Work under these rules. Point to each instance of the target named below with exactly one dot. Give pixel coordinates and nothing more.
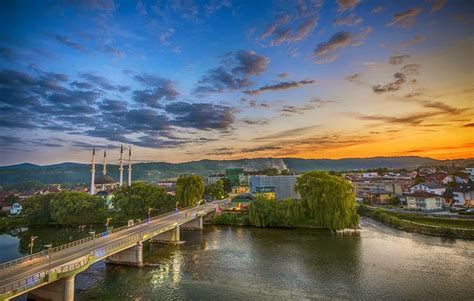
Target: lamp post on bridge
(48, 248)
(107, 224)
(149, 214)
(32, 242)
(93, 241)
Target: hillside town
(427, 188)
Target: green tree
(268, 213)
(271, 171)
(227, 185)
(72, 207)
(215, 190)
(11, 198)
(329, 200)
(285, 172)
(133, 201)
(189, 190)
(37, 209)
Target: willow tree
(189, 190)
(329, 200)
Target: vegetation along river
(245, 263)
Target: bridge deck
(31, 271)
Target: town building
(426, 170)
(470, 171)
(282, 186)
(423, 200)
(234, 175)
(463, 195)
(431, 187)
(379, 196)
(211, 179)
(393, 185)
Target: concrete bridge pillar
(60, 290)
(195, 224)
(171, 236)
(131, 256)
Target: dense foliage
(11, 199)
(215, 190)
(189, 190)
(329, 200)
(65, 207)
(268, 213)
(133, 201)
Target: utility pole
(32, 242)
(48, 248)
(93, 241)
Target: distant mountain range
(80, 173)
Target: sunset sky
(189, 80)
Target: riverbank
(445, 227)
(241, 219)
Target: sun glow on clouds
(230, 80)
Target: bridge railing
(45, 253)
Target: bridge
(49, 275)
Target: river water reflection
(243, 263)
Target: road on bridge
(23, 270)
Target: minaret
(121, 165)
(92, 191)
(129, 166)
(104, 172)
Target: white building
(283, 186)
(423, 200)
(463, 195)
(211, 179)
(470, 171)
(435, 188)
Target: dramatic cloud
(469, 125)
(437, 5)
(415, 40)
(349, 21)
(399, 79)
(234, 73)
(377, 9)
(412, 119)
(289, 133)
(338, 40)
(346, 4)
(49, 101)
(312, 104)
(324, 51)
(398, 59)
(158, 89)
(260, 149)
(274, 26)
(406, 18)
(283, 75)
(355, 78)
(395, 85)
(202, 116)
(68, 42)
(280, 86)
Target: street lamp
(48, 248)
(149, 214)
(93, 240)
(32, 242)
(107, 224)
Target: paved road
(27, 269)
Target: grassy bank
(456, 228)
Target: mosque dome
(104, 180)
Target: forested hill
(80, 173)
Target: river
(244, 263)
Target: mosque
(104, 185)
